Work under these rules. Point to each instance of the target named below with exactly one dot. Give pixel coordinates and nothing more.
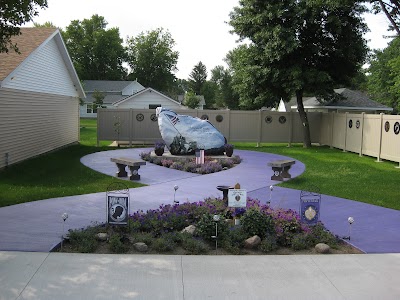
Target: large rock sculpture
(184, 134)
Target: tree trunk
(304, 119)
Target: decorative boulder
(102, 236)
(141, 247)
(252, 242)
(322, 248)
(189, 229)
(184, 134)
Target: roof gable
(147, 90)
(43, 57)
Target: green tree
(225, 96)
(46, 24)
(384, 76)
(12, 15)
(191, 100)
(197, 78)
(391, 9)
(98, 98)
(97, 52)
(153, 60)
(296, 46)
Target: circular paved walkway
(37, 226)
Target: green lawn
(57, 174)
(341, 174)
(334, 172)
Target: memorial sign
(237, 198)
(310, 204)
(117, 204)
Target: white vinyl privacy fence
(366, 134)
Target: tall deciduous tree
(297, 46)
(153, 60)
(97, 52)
(384, 75)
(197, 78)
(225, 96)
(12, 15)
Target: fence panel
(339, 131)
(390, 148)
(353, 132)
(371, 135)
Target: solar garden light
(271, 188)
(351, 221)
(175, 189)
(216, 218)
(64, 216)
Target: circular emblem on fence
(140, 117)
(153, 117)
(387, 126)
(350, 123)
(204, 117)
(268, 119)
(358, 124)
(219, 118)
(396, 128)
(282, 119)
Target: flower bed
(188, 164)
(161, 230)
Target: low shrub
(257, 222)
(268, 244)
(83, 241)
(206, 227)
(166, 163)
(194, 246)
(116, 245)
(234, 240)
(210, 167)
(163, 244)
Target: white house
(148, 99)
(39, 96)
(113, 90)
(352, 101)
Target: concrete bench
(281, 169)
(133, 165)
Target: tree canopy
(153, 60)
(97, 52)
(384, 76)
(12, 15)
(391, 9)
(295, 46)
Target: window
(154, 106)
(92, 108)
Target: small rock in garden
(190, 229)
(322, 248)
(252, 242)
(102, 236)
(141, 247)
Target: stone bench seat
(281, 169)
(133, 165)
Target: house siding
(143, 101)
(35, 123)
(43, 72)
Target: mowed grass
(342, 174)
(56, 174)
(334, 172)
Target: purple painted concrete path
(37, 226)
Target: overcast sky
(198, 27)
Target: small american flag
(173, 119)
(199, 157)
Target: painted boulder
(184, 134)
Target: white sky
(198, 26)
